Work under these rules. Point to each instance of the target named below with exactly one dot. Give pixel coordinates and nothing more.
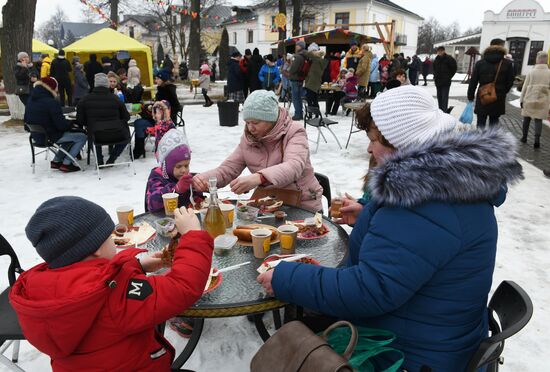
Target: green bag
(371, 343)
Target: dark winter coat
(91, 68)
(60, 70)
(81, 87)
(102, 314)
(44, 110)
(315, 75)
(484, 73)
(167, 92)
(415, 65)
(254, 66)
(295, 70)
(444, 70)
(23, 74)
(422, 252)
(102, 105)
(235, 77)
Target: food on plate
(312, 227)
(267, 204)
(243, 233)
(169, 251)
(271, 261)
(122, 242)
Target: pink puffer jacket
(282, 156)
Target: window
(536, 46)
(308, 25)
(234, 38)
(250, 38)
(273, 26)
(131, 31)
(342, 19)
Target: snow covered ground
(228, 344)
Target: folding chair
(180, 122)
(313, 117)
(514, 309)
(325, 184)
(47, 145)
(99, 130)
(10, 330)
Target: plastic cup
(335, 207)
(261, 242)
(228, 211)
(288, 235)
(170, 201)
(125, 215)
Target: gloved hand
(183, 184)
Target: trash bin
(228, 112)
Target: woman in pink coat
(274, 149)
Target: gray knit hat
(22, 55)
(301, 44)
(101, 80)
(261, 105)
(67, 229)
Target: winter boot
(536, 145)
(525, 132)
(139, 148)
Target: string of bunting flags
(184, 10)
(98, 10)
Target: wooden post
(384, 42)
(392, 38)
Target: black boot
(525, 132)
(536, 145)
(139, 148)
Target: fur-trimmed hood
(46, 87)
(455, 167)
(494, 53)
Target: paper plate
(214, 283)
(137, 235)
(313, 237)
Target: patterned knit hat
(172, 149)
(409, 114)
(67, 229)
(261, 105)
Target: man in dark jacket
(60, 70)
(235, 79)
(444, 70)
(296, 77)
(91, 68)
(254, 65)
(107, 66)
(484, 72)
(414, 68)
(166, 91)
(44, 110)
(168, 65)
(100, 106)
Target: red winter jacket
(334, 69)
(99, 315)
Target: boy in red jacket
(89, 308)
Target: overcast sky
(468, 13)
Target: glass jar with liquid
(214, 222)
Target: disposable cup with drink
(261, 242)
(228, 211)
(170, 201)
(125, 215)
(288, 235)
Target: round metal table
(239, 293)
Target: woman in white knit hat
(275, 150)
(422, 250)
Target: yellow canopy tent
(43, 48)
(107, 41)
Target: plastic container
(246, 213)
(164, 226)
(224, 243)
(228, 113)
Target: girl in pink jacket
(274, 149)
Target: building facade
(526, 28)
(254, 27)
(457, 48)
(145, 29)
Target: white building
(526, 28)
(254, 27)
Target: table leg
(260, 327)
(351, 127)
(191, 345)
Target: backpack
(305, 68)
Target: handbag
(22, 89)
(294, 347)
(488, 92)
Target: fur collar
(41, 84)
(456, 167)
(495, 49)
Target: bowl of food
(164, 226)
(247, 213)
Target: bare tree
(18, 24)
(431, 32)
(195, 36)
(51, 29)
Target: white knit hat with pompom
(409, 115)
